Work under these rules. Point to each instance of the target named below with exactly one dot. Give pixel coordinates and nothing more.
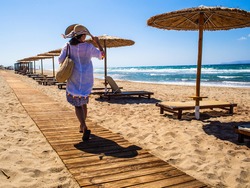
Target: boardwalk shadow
(225, 131)
(105, 147)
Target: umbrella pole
(34, 66)
(42, 66)
(53, 61)
(198, 77)
(105, 66)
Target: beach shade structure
(199, 19)
(56, 51)
(23, 66)
(35, 58)
(51, 55)
(110, 42)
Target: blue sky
(30, 27)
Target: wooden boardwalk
(107, 160)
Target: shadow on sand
(106, 147)
(129, 100)
(225, 131)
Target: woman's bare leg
(85, 109)
(81, 115)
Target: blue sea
(227, 75)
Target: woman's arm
(63, 54)
(96, 40)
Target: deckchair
(61, 85)
(47, 80)
(243, 132)
(117, 92)
(178, 107)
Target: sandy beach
(206, 149)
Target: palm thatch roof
(215, 18)
(34, 58)
(48, 54)
(56, 51)
(112, 41)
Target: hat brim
(69, 29)
(81, 28)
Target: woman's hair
(75, 40)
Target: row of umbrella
(191, 19)
(42, 56)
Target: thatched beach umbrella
(56, 51)
(201, 18)
(52, 55)
(110, 42)
(35, 58)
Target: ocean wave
(224, 71)
(213, 75)
(180, 70)
(229, 77)
(236, 83)
(134, 70)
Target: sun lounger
(116, 91)
(178, 107)
(46, 80)
(101, 90)
(37, 76)
(96, 91)
(61, 85)
(243, 132)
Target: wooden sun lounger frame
(241, 134)
(140, 94)
(61, 84)
(100, 90)
(178, 107)
(116, 91)
(47, 80)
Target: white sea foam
(229, 77)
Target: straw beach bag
(66, 68)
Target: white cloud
(242, 38)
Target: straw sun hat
(74, 30)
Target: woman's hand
(96, 40)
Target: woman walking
(81, 81)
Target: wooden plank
(128, 168)
(69, 141)
(71, 154)
(189, 184)
(97, 165)
(96, 149)
(156, 180)
(130, 174)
